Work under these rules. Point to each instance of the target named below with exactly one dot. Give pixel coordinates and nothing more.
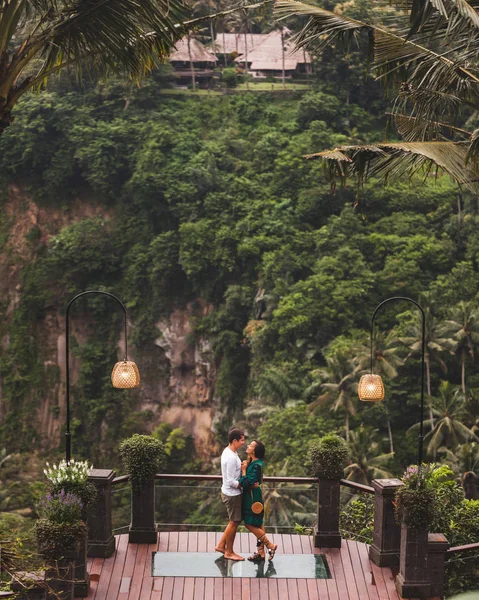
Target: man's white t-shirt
(231, 472)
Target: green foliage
(55, 540)
(356, 519)
(328, 456)
(142, 457)
(229, 77)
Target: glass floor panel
(207, 564)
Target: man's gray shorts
(233, 506)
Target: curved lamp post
(371, 388)
(125, 373)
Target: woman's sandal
(270, 546)
(259, 554)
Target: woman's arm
(253, 475)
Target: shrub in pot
(142, 457)
(416, 500)
(60, 530)
(328, 456)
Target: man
(231, 492)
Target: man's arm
(229, 478)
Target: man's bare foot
(221, 549)
(233, 556)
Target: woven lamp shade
(371, 388)
(125, 375)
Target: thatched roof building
(199, 53)
(227, 43)
(267, 57)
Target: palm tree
(192, 64)
(463, 328)
(427, 56)
(448, 430)
(339, 383)
(435, 343)
(386, 362)
(367, 460)
(42, 37)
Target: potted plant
(142, 457)
(415, 500)
(60, 534)
(71, 477)
(328, 456)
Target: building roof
(268, 55)
(226, 43)
(199, 53)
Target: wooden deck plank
(303, 591)
(193, 541)
(183, 538)
(349, 574)
(236, 588)
(362, 551)
(390, 584)
(173, 541)
(157, 588)
(138, 572)
(95, 568)
(218, 588)
(321, 584)
(189, 588)
(199, 591)
(209, 588)
(245, 589)
(112, 571)
(296, 543)
(202, 541)
(273, 593)
(178, 585)
(282, 588)
(263, 588)
(313, 592)
(359, 575)
(163, 541)
(147, 582)
(292, 585)
(210, 541)
(331, 584)
(379, 581)
(255, 595)
(286, 543)
(228, 588)
(167, 590)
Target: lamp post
(371, 388)
(125, 373)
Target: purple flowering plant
(60, 508)
(415, 501)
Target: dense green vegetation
(209, 201)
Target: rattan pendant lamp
(371, 387)
(125, 374)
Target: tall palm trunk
(212, 34)
(346, 426)
(283, 75)
(463, 371)
(192, 66)
(390, 434)
(224, 49)
(431, 414)
(246, 52)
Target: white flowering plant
(72, 477)
(72, 471)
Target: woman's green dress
(254, 473)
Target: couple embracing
(241, 494)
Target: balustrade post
(143, 529)
(384, 550)
(327, 535)
(101, 542)
(413, 578)
(436, 562)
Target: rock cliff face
(177, 371)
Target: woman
(252, 472)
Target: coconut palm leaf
(392, 160)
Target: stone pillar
(143, 528)
(436, 562)
(101, 542)
(384, 550)
(413, 577)
(327, 535)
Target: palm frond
(392, 160)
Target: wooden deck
(127, 574)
